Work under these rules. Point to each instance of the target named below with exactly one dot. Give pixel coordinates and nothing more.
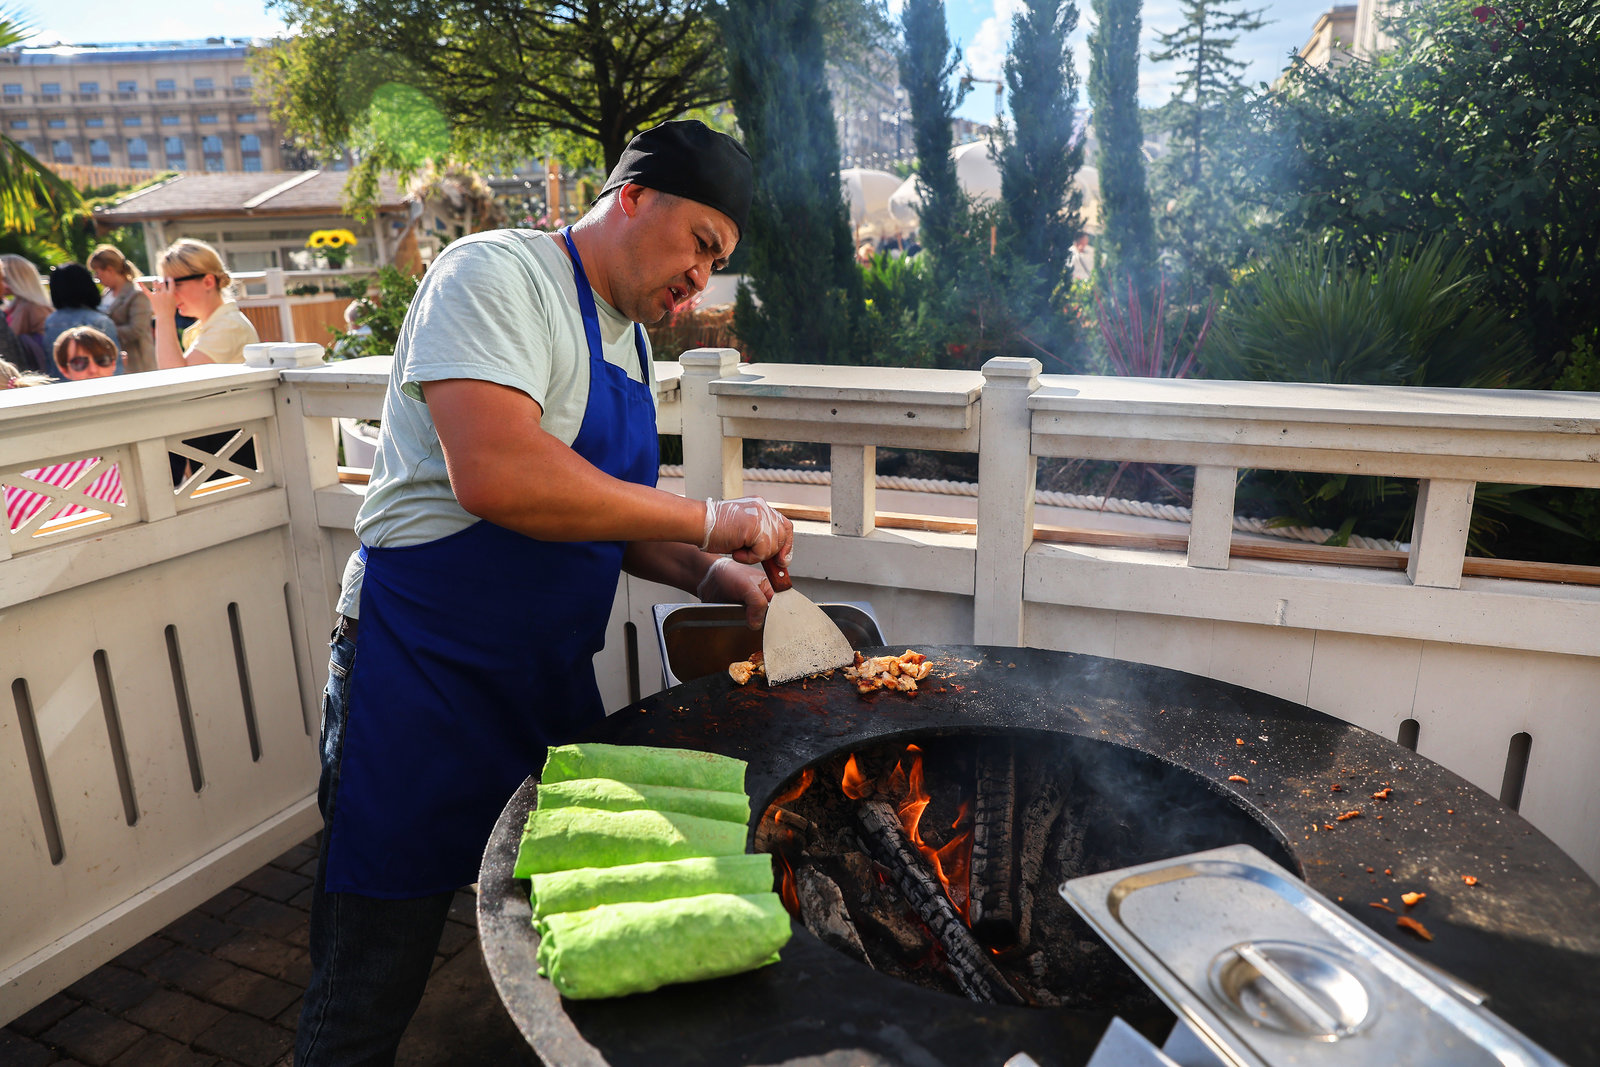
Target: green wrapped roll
(645, 765)
(564, 838)
(609, 795)
(589, 887)
(617, 949)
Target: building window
(61, 151)
(165, 85)
(56, 124)
(208, 120)
(99, 153)
(26, 146)
(174, 150)
(211, 148)
(132, 120)
(171, 120)
(88, 87)
(241, 81)
(247, 117)
(127, 87)
(50, 88)
(250, 151)
(95, 123)
(204, 83)
(138, 153)
(19, 124)
(13, 89)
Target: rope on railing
(1140, 508)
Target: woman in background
(30, 306)
(127, 307)
(77, 301)
(195, 282)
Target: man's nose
(699, 277)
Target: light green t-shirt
(500, 306)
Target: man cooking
(514, 481)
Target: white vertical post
(152, 480)
(1006, 479)
(308, 448)
(1439, 536)
(1211, 517)
(854, 497)
(280, 298)
(713, 465)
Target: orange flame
(799, 787)
(952, 863)
(786, 890)
(855, 784)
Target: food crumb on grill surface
(901, 672)
(1412, 898)
(1238, 778)
(1469, 879)
(1382, 794)
(1353, 813)
(1376, 904)
(1406, 922)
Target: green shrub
(383, 316)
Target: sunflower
(331, 239)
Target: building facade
(179, 105)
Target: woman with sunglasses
(84, 352)
(77, 301)
(195, 282)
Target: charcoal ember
(993, 909)
(823, 912)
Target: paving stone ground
(221, 987)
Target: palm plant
(29, 191)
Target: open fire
(938, 860)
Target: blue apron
(474, 654)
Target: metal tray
(697, 640)
(1270, 973)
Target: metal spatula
(799, 638)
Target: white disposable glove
(728, 582)
(748, 529)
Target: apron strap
(591, 316)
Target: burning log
(992, 906)
(969, 964)
(1038, 819)
(823, 912)
(783, 833)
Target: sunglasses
(184, 278)
(81, 363)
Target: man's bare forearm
(678, 565)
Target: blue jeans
(370, 958)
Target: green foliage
(1207, 217)
(1411, 314)
(801, 262)
(501, 76)
(926, 64)
(1483, 123)
(1127, 247)
(383, 316)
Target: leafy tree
(1128, 243)
(1201, 178)
(926, 64)
(503, 75)
(1480, 125)
(32, 198)
(801, 262)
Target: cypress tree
(801, 263)
(926, 64)
(1038, 155)
(1128, 244)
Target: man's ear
(631, 198)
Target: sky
(980, 28)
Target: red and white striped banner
(23, 504)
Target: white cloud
(986, 54)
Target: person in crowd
(514, 482)
(14, 377)
(127, 306)
(83, 352)
(864, 253)
(29, 307)
(1082, 259)
(195, 283)
(77, 302)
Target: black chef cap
(687, 158)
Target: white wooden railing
(166, 658)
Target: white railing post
(280, 299)
(1007, 470)
(1211, 517)
(1439, 537)
(713, 465)
(854, 496)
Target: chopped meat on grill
(1412, 898)
(901, 672)
(1406, 922)
(746, 669)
